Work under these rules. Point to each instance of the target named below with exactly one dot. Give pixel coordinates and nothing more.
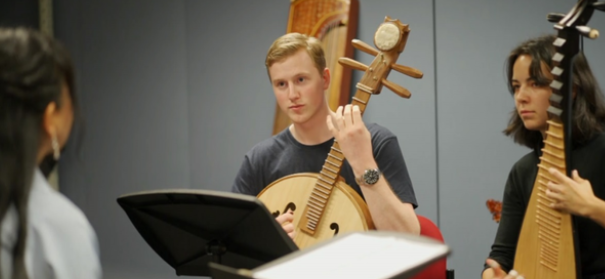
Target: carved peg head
(391, 35)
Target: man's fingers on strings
(357, 115)
(340, 117)
(339, 111)
(348, 120)
(284, 218)
(289, 228)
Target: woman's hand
(496, 272)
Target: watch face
(371, 176)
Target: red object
(495, 208)
(437, 270)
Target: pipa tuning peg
(398, 89)
(599, 6)
(364, 47)
(408, 71)
(588, 32)
(555, 17)
(345, 61)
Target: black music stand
(190, 228)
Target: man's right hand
(495, 272)
(285, 220)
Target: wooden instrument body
(346, 211)
(545, 248)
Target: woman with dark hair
(528, 72)
(44, 235)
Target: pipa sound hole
(335, 228)
(290, 205)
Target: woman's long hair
(33, 70)
(588, 105)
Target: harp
(334, 23)
(546, 245)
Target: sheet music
(357, 256)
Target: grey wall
(131, 60)
(231, 103)
(175, 92)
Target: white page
(356, 256)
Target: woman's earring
(56, 148)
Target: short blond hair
(288, 44)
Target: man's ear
(326, 78)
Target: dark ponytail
(33, 70)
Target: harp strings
(333, 35)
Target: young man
(297, 70)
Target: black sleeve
(245, 181)
(392, 165)
(513, 212)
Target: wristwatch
(369, 177)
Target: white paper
(356, 256)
